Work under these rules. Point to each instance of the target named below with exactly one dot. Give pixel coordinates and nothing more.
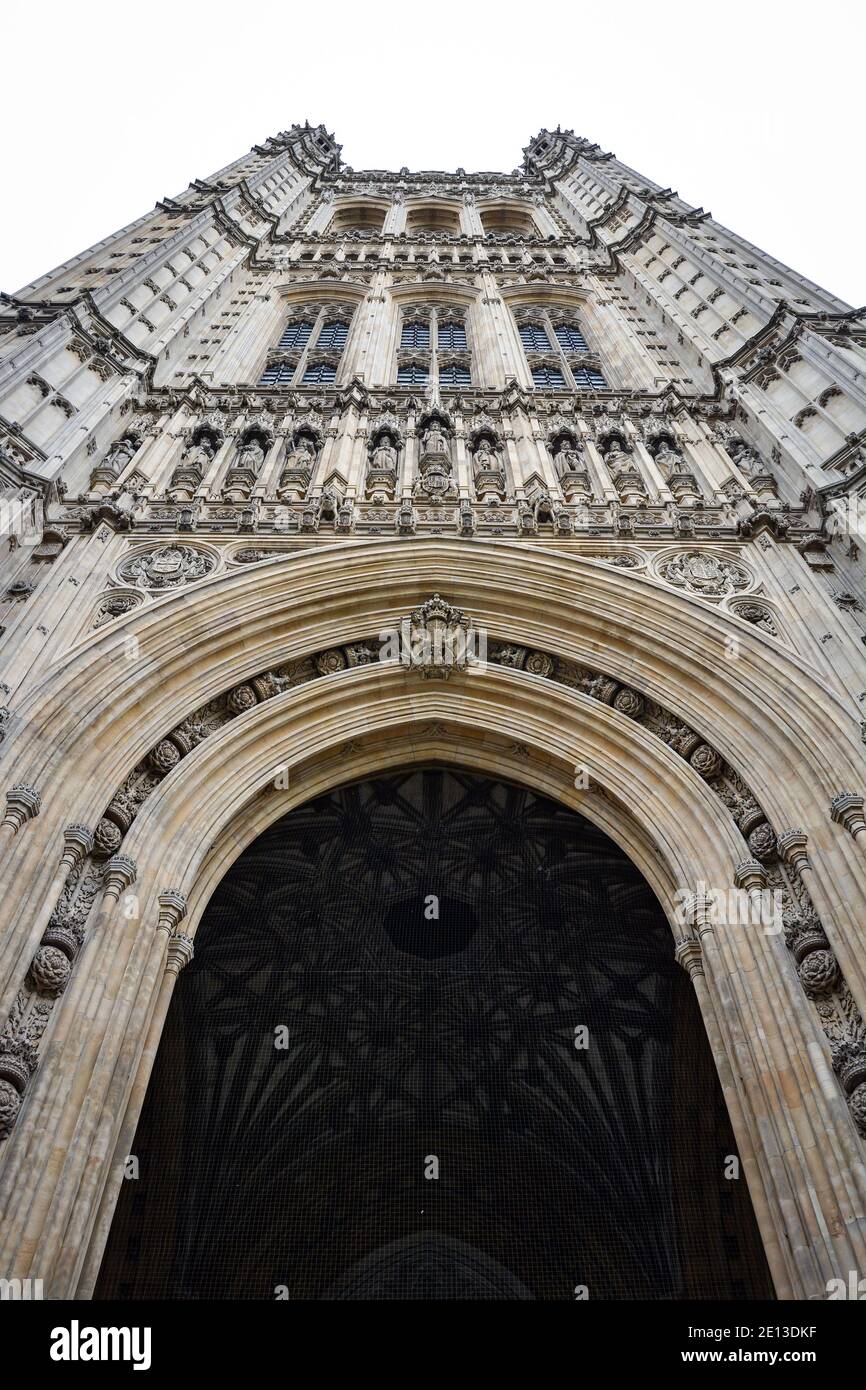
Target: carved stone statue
(120, 454)
(483, 458)
(384, 455)
(434, 440)
(668, 460)
(745, 458)
(199, 455)
(188, 475)
(568, 460)
(301, 456)
(114, 463)
(243, 471)
(297, 472)
(616, 457)
(250, 456)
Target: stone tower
(274, 417)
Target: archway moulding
(768, 1047)
(513, 725)
(670, 645)
(99, 711)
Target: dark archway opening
(412, 1037)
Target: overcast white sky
(753, 109)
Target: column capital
(690, 956)
(750, 875)
(697, 912)
(120, 872)
(77, 844)
(180, 953)
(792, 847)
(846, 810)
(172, 909)
(23, 802)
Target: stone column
(34, 1161)
(120, 1055)
(689, 954)
(180, 953)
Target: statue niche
(487, 470)
(626, 478)
(435, 480)
(571, 469)
(672, 466)
(297, 471)
(194, 463)
(122, 451)
(761, 480)
(381, 481)
(668, 458)
(246, 465)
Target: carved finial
(690, 956)
(697, 911)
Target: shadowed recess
(427, 944)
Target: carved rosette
(50, 970)
(10, 1104)
(106, 839)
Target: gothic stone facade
(271, 419)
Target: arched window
(416, 335)
(589, 376)
(413, 374)
(333, 336)
(455, 374)
(451, 336)
(319, 374)
(548, 378)
(277, 374)
(534, 337)
(297, 334)
(570, 338)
